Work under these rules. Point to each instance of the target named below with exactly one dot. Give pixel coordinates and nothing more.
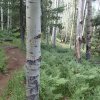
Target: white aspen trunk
(79, 19)
(54, 30)
(67, 15)
(84, 20)
(53, 37)
(8, 18)
(72, 28)
(33, 55)
(79, 29)
(2, 27)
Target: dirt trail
(15, 60)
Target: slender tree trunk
(89, 30)
(54, 31)
(79, 28)
(22, 29)
(53, 38)
(2, 27)
(72, 27)
(84, 18)
(73, 22)
(47, 35)
(8, 18)
(84, 24)
(47, 38)
(79, 31)
(33, 55)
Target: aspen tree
(80, 10)
(2, 27)
(33, 51)
(8, 17)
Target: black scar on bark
(38, 36)
(36, 87)
(31, 52)
(29, 17)
(32, 2)
(31, 79)
(32, 97)
(32, 62)
(35, 46)
(80, 40)
(81, 22)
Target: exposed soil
(15, 61)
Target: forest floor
(15, 61)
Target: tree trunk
(73, 23)
(10, 22)
(2, 27)
(22, 29)
(54, 30)
(79, 29)
(89, 30)
(72, 27)
(85, 15)
(47, 35)
(53, 38)
(8, 17)
(33, 55)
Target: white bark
(79, 19)
(2, 27)
(80, 12)
(9, 17)
(54, 30)
(53, 37)
(84, 20)
(33, 55)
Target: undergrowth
(16, 88)
(2, 60)
(61, 76)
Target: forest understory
(62, 77)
